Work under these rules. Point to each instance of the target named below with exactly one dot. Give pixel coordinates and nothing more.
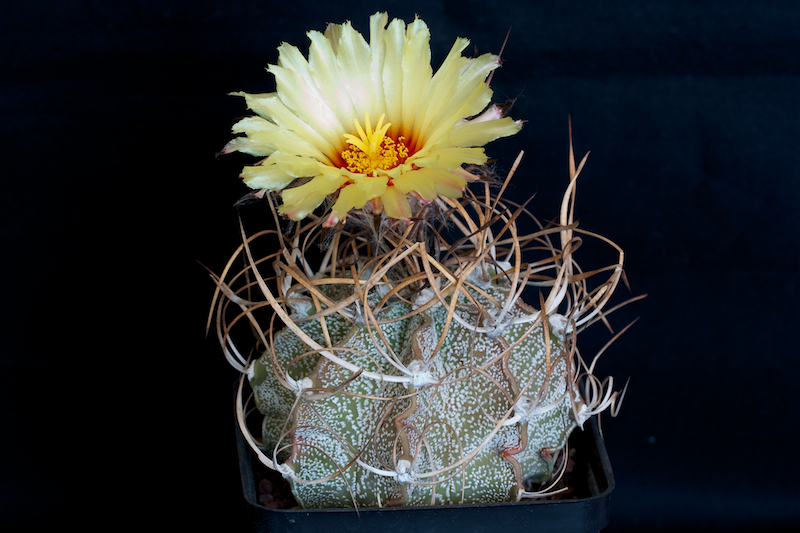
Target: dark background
(114, 407)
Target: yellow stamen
(373, 150)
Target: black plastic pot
(586, 509)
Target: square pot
(584, 510)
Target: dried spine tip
(422, 357)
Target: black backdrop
(114, 406)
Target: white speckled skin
(450, 442)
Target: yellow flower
(369, 122)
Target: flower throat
(373, 150)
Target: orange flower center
(373, 150)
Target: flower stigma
(373, 150)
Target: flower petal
(266, 177)
(354, 197)
(452, 157)
(297, 90)
(328, 78)
(299, 167)
(269, 105)
(265, 137)
(395, 204)
(355, 65)
(417, 182)
(371, 186)
(392, 76)
(480, 133)
(377, 50)
(299, 201)
(417, 73)
(441, 88)
(248, 146)
(474, 103)
(278, 170)
(472, 76)
(256, 102)
(444, 182)
(467, 176)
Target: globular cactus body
(485, 411)
(408, 370)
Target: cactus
(459, 396)
(408, 370)
(403, 367)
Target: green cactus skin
(381, 424)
